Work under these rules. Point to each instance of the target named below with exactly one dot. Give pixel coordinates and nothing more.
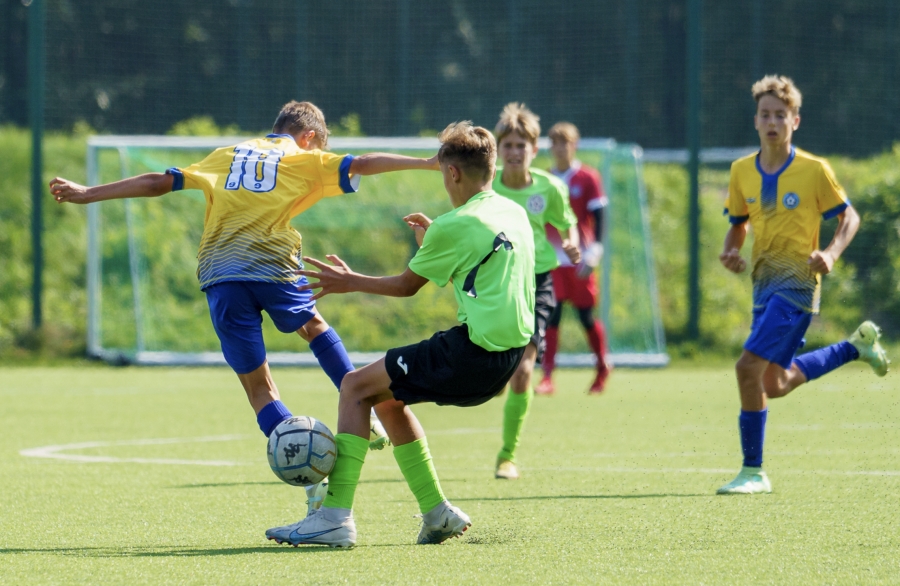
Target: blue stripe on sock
(271, 415)
(752, 425)
(822, 361)
(332, 356)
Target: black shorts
(449, 369)
(544, 304)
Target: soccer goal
(145, 307)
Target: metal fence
(615, 68)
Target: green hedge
(864, 284)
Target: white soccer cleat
(378, 438)
(326, 526)
(506, 470)
(441, 523)
(748, 481)
(865, 340)
(315, 494)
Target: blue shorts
(236, 310)
(777, 331)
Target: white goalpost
(142, 309)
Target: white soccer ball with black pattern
(301, 451)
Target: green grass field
(617, 488)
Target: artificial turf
(171, 484)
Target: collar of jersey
(280, 136)
(790, 160)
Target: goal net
(145, 306)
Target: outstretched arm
(338, 278)
(731, 250)
(822, 261)
(147, 185)
(375, 163)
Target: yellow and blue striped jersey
(252, 191)
(785, 210)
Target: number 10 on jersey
(253, 169)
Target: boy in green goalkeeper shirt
(545, 198)
(485, 247)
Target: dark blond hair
(471, 148)
(564, 131)
(516, 117)
(297, 117)
(781, 87)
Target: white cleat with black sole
(441, 523)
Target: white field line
(57, 452)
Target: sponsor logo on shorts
(791, 200)
(536, 204)
(402, 365)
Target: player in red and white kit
(577, 284)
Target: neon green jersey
(486, 247)
(547, 202)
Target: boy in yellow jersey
(485, 248)
(248, 254)
(785, 193)
(546, 200)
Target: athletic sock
(332, 356)
(351, 453)
(822, 361)
(753, 432)
(415, 463)
(548, 362)
(514, 413)
(271, 415)
(596, 336)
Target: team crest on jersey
(751, 200)
(536, 204)
(791, 200)
(575, 191)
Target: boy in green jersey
(485, 247)
(546, 200)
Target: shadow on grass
(581, 496)
(270, 482)
(176, 552)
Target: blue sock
(753, 431)
(271, 415)
(822, 361)
(332, 356)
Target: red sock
(597, 339)
(548, 362)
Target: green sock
(514, 413)
(351, 453)
(415, 463)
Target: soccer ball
(301, 451)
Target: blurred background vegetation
(864, 284)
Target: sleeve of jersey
(560, 213)
(436, 259)
(735, 206)
(597, 197)
(832, 197)
(185, 178)
(336, 177)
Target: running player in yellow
(546, 199)
(785, 193)
(249, 253)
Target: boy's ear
(796, 121)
